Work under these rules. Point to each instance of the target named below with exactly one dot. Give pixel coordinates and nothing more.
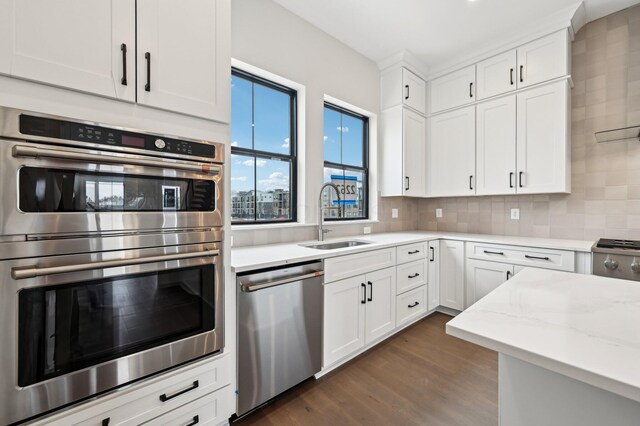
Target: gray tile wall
(605, 197)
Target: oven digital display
(132, 141)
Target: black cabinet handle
(433, 254)
(165, 398)
(406, 86)
(416, 275)
(147, 86)
(408, 183)
(471, 90)
(123, 49)
(471, 182)
(520, 179)
(511, 180)
(364, 293)
(413, 306)
(508, 275)
(370, 299)
(521, 73)
(494, 252)
(414, 252)
(105, 422)
(536, 257)
(511, 76)
(196, 420)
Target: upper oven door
(53, 190)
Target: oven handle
(22, 273)
(33, 152)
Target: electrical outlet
(515, 214)
(394, 213)
(367, 230)
(438, 213)
(231, 241)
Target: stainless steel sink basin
(336, 245)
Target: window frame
(256, 154)
(365, 162)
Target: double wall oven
(111, 266)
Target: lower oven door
(74, 326)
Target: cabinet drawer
(411, 252)
(208, 410)
(411, 305)
(561, 260)
(142, 403)
(338, 268)
(411, 275)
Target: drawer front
(561, 260)
(411, 305)
(208, 410)
(338, 268)
(411, 275)
(143, 402)
(411, 252)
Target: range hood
(622, 134)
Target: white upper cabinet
(84, 45)
(415, 91)
(414, 137)
(497, 75)
(399, 86)
(451, 154)
(183, 57)
(453, 90)
(543, 151)
(543, 59)
(496, 146)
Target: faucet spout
(321, 209)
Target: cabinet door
(344, 318)
(452, 274)
(414, 91)
(381, 304)
(414, 133)
(76, 44)
(454, 89)
(543, 59)
(496, 147)
(484, 277)
(451, 154)
(184, 57)
(497, 75)
(433, 286)
(543, 140)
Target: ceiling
(435, 31)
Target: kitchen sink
(336, 245)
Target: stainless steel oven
(82, 316)
(64, 176)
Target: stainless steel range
(617, 259)
(111, 265)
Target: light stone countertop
(257, 257)
(582, 326)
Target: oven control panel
(79, 132)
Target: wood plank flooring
(420, 376)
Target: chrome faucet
(321, 230)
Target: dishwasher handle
(248, 288)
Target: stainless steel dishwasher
(279, 331)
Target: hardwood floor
(419, 377)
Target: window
(263, 150)
(346, 143)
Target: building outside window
(263, 150)
(346, 144)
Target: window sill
(287, 225)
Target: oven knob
(635, 265)
(611, 264)
(160, 144)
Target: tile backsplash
(605, 195)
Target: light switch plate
(394, 213)
(367, 230)
(515, 214)
(438, 213)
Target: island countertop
(582, 326)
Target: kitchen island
(568, 344)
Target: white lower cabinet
(452, 274)
(434, 275)
(411, 275)
(207, 410)
(483, 277)
(357, 311)
(411, 305)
